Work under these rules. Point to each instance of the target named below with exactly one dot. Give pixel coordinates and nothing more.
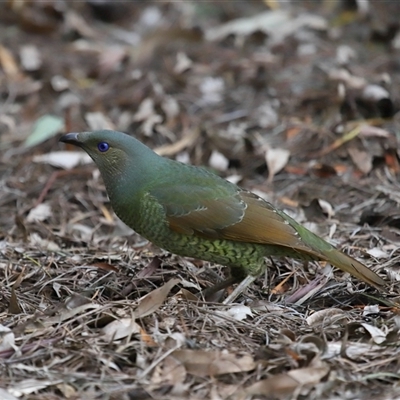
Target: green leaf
(45, 128)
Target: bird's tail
(353, 267)
(327, 252)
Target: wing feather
(229, 214)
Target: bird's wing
(194, 208)
(263, 223)
(226, 213)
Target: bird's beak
(72, 138)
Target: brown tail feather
(354, 267)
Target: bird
(192, 212)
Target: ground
(296, 101)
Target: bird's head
(107, 148)
(115, 153)
(111, 150)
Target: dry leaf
(326, 208)
(110, 59)
(145, 110)
(153, 301)
(69, 313)
(63, 159)
(373, 131)
(212, 363)
(371, 309)
(174, 148)
(8, 63)
(30, 58)
(28, 386)
(375, 93)
(44, 244)
(170, 106)
(6, 395)
(7, 338)
(378, 253)
(326, 317)
(39, 213)
(392, 161)
(351, 81)
(285, 384)
(13, 306)
(211, 89)
(120, 328)
(310, 289)
(276, 160)
(218, 161)
(277, 24)
(97, 121)
(239, 313)
(310, 375)
(68, 391)
(60, 83)
(266, 115)
(344, 54)
(170, 372)
(149, 269)
(361, 159)
(76, 22)
(235, 179)
(183, 63)
(353, 350)
(377, 335)
(187, 295)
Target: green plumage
(241, 257)
(192, 212)
(158, 196)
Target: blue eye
(103, 146)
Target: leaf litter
(91, 310)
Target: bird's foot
(206, 293)
(240, 289)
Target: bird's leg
(217, 287)
(240, 288)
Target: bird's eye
(103, 146)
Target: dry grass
(66, 280)
(89, 310)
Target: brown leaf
(13, 306)
(326, 317)
(146, 338)
(172, 149)
(323, 170)
(285, 384)
(8, 63)
(293, 132)
(149, 269)
(170, 372)
(187, 295)
(361, 159)
(107, 215)
(392, 161)
(211, 363)
(105, 266)
(153, 301)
